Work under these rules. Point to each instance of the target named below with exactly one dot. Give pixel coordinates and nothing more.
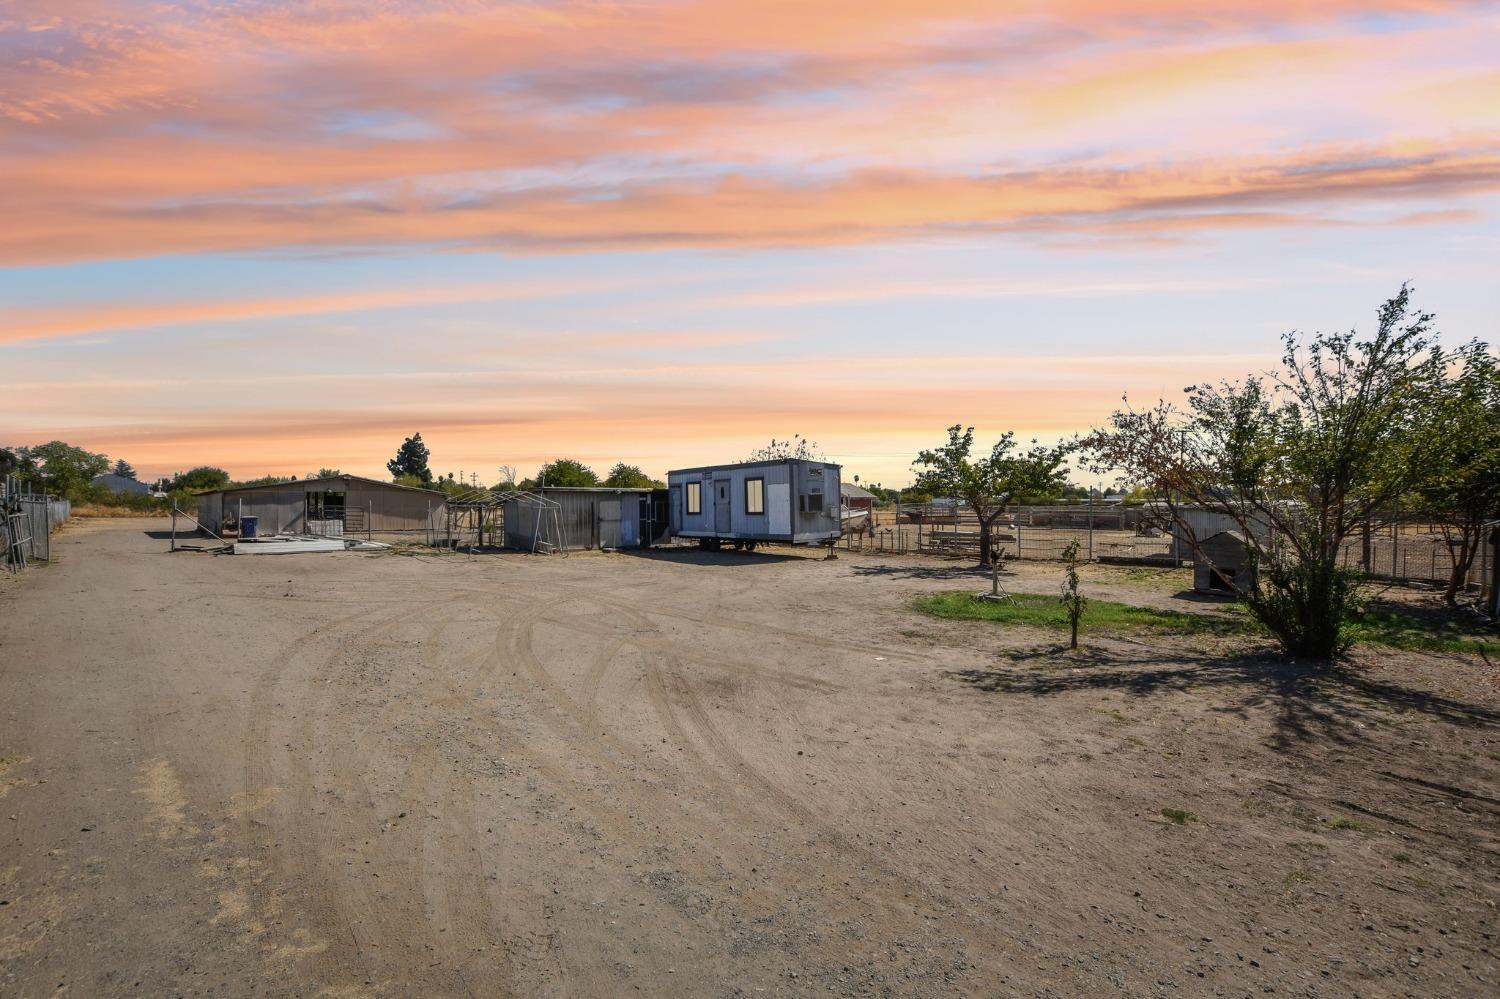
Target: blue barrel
(248, 526)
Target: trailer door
(722, 520)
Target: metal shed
(586, 517)
(345, 504)
(790, 500)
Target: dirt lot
(708, 776)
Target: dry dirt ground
(735, 775)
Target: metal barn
(585, 517)
(789, 500)
(345, 504)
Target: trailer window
(812, 503)
(755, 495)
(694, 497)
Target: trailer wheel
(708, 544)
(750, 545)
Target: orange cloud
(71, 320)
(134, 130)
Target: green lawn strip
(1386, 628)
(1401, 631)
(1040, 611)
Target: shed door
(609, 523)
(722, 521)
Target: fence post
(1395, 534)
(1091, 525)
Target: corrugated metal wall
(585, 517)
(370, 507)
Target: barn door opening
(326, 513)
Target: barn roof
(340, 479)
(849, 489)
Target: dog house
(1222, 564)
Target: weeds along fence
(1406, 547)
(27, 520)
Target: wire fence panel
(27, 520)
(1410, 549)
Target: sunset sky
(275, 237)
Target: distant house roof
(851, 491)
(120, 484)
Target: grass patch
(1178, 816)
(1398, 629)
(1355, 824)
(1423, 632)
(1038, 611)
(1402, 858)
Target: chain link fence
(1405, 548)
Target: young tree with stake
(1072, 598)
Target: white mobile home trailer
(789, 500)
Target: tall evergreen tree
(411, 460)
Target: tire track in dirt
(403, 847)
(302, 858)
(876, 907)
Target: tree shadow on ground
(962, 572)
(1308, 702)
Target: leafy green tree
(1462, 487)
(17, 461)
(1299, 460)
(567, 472)
(624, 476)
(123, 469)
(988, 483)
(326, 473)
(201, 479)
(411, 459)
(65, 470)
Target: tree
(1073, 600)
(326, 473)
(796, 446)
(567, 472)
(17, 461)
(987, 483)
(1298, 460)
(1462, 488)
(122, 468)
(624, 476)
(411, 459)
(65, 470)
(201, 479)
